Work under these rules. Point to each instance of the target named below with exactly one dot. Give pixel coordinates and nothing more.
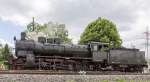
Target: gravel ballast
(73, 78)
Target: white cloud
(131, 17)
(22, 11)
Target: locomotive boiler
(51, 54)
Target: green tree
(5, 51)
(57, 30)
(50, 29)
(101, 30)
(36, 27)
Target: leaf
(51, 30)
(101, 30)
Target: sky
(130, 16)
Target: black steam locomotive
(50, 54)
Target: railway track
(49, 72)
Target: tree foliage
(5, 52)
(57, 30)
(51, 30)
(37, 27)
(101, 30)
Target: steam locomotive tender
(50, 54)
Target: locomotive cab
(99, 52)
(96, 46)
